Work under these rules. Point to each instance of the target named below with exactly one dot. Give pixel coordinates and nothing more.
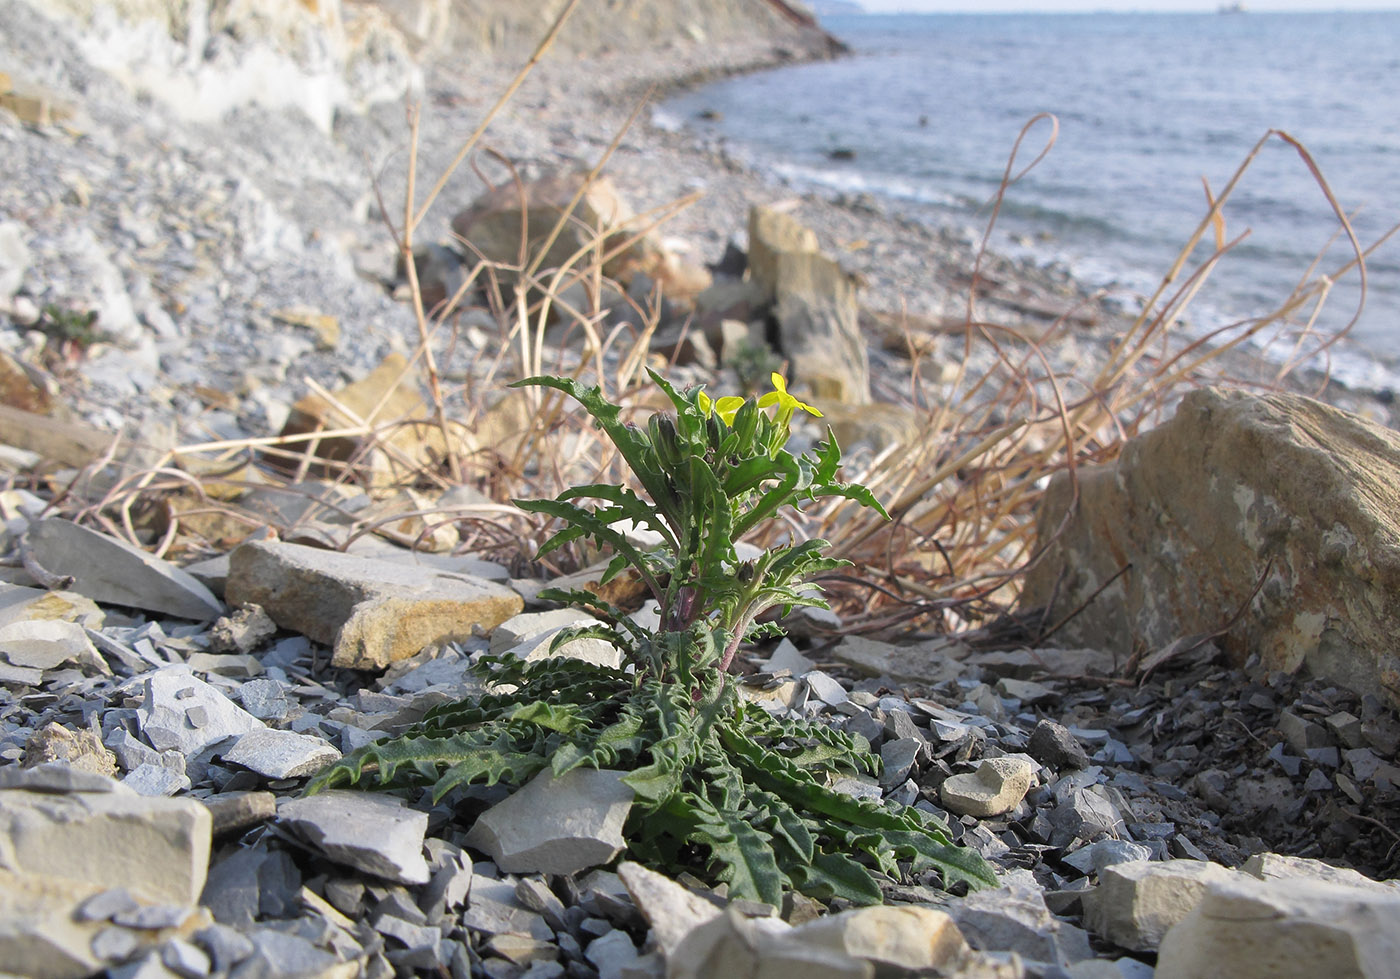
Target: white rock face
(38, 933)
(1284, 929)
(732, 945)
(204, 60)
(1278, 866)
(530, 635)
(670, 909)
(557, 825)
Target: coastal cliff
(321, 57)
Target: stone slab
(371, 612)
(106, 569)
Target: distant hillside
(832, 8)
(506, 25)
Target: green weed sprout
(722, 789)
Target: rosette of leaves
(722, 789)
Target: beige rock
(600, 223)
(1238, 491)
(773, 233)
(39, 935)
(997, 786)
(879, 426)
(1136, 902)
(815, 307)
(35, 108)
(1284, 929)
(25, 387)
(386, 400)
(80, 749)
(372, 612)
(324, 326)
(732, 945)
(156, 847)
(411, 519)
(899, 937)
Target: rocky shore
(1204, 769)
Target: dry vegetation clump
(962, 496)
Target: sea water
(927, 108)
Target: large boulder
(813, 306)
(1276, 516)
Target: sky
(1185, 6)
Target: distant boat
(1230, 8)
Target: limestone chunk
(997, 786)
(1284, 929)
(1136, 902)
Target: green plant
(70, 332)
(720, 786)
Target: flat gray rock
(1014, 918)
(494, 909)
(57, 777)
(184, 713)
(109, 570)
(45, 644)
(557, 825)
(374, 833)
(281, 754)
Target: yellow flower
(726, 408)
(786, 403)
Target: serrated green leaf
(563, 719)
(830, 875)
